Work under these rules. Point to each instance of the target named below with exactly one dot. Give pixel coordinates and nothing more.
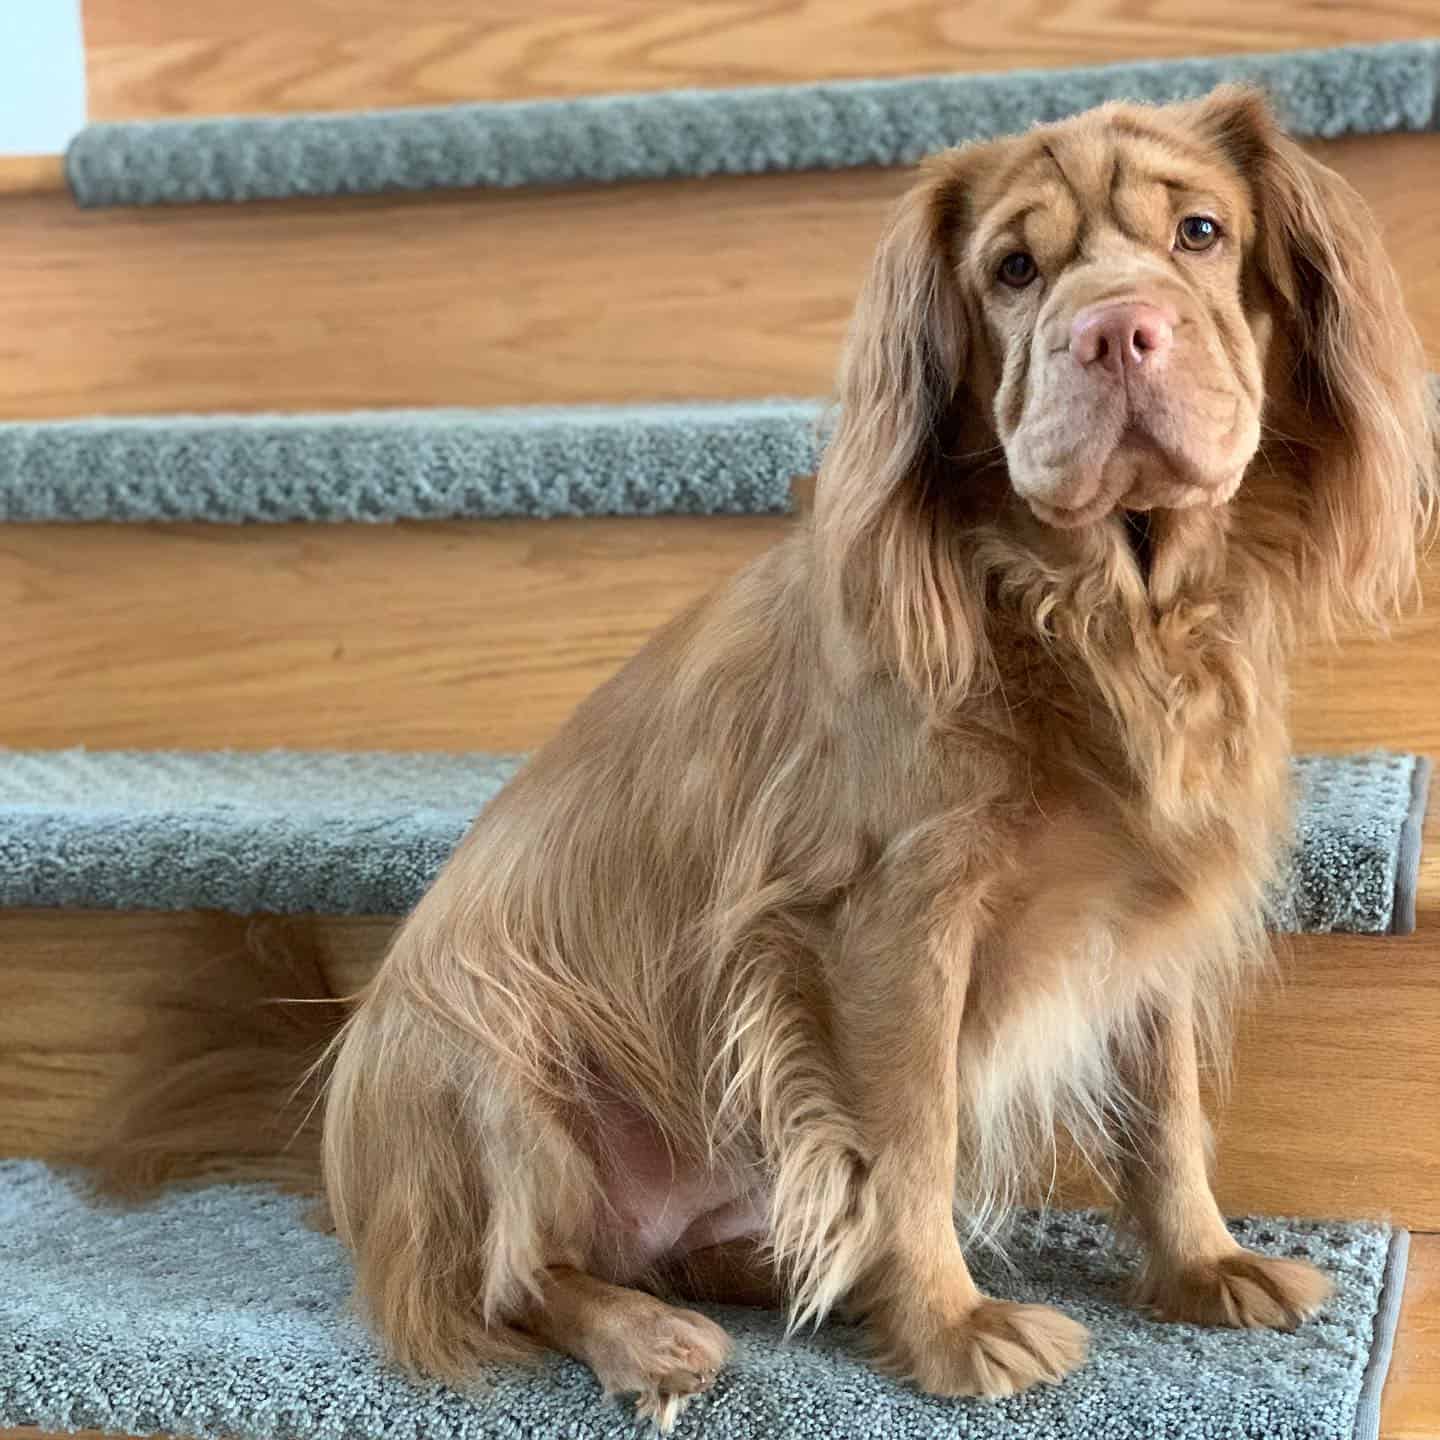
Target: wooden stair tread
(1427, 887)
(1411, 1409)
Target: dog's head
(1130, 306)
(1109, 334)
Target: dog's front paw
(998, 1349)
(1242, 1289)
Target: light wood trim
(1427, 881)
(468, 635)
(718, 289)
(31, 174)
(169, 57)
(1411, 1409)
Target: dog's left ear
(1366, 417)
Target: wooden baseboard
(1411, 1409)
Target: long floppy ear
(1363, 415)
(885, 557)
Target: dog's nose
(1121, 335)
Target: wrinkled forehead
(1119, 172)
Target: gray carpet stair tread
(364, 833)
(734, 457)
(216, 1312)
(692, 459)
(1352, 90)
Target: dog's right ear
(882, 546)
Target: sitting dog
(946, 825)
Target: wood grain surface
(1411, 1409)
(467, 635)
(670, 290)
(171, 57)
(31, 175)
(460, 635)
(1349, 1032)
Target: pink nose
(1121, 335)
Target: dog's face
(1104, 261)
(1142, 307)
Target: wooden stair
(472, 635)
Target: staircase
(483, 635)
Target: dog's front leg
(899, 992)
(1195, 1270)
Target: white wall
(42, 75)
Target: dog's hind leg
(636, 1345)
(483, 1214)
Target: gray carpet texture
(296, 832)
(692, 459)
(832, 125)
(697, 458)
(216, 1312)
(1357, 850)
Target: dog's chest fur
(1155, 776)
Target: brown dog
(945, 824)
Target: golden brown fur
(944, 826)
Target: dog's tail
(226, 1081)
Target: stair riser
(463, 635)
(1335, 1108)
(693, 289)
(169, 57)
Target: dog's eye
(1017, 269)
(1197, 232)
